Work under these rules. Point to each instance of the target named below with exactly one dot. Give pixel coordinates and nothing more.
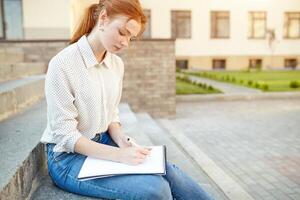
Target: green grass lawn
(187, 88)
(276, 80)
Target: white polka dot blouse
(82, 95)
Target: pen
(132, 142)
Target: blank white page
(154, 164)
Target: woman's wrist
(122, 140)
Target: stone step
(18, 70)
(11, 55)
(22, 157)
(178, 155)
(15, 95)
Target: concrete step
(22, 155)
(178, 155)
(11, 55)
(15, 95)
(18, 70)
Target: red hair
(130, 8)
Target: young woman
(83, 89)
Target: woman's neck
(97, 48)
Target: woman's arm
(90, 148)
(131, 155)
(116, 133)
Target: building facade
(210, 34)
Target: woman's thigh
(64, 169)
(64, 175)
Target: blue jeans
(64, 167)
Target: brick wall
(149, 82)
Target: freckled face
(118, 33)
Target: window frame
(213, 23)
(174, 17)
(286, 25)
(252, 13)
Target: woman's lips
(117, 48)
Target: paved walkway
(256, 143)
(226, 88)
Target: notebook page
(154, 163)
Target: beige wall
(46, 19)
(238, 44)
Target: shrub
(233, 79)
(204, 86)
(241, 81)
(250, 82)
(265, 87)
(210, 88)
(294, 84)
(257, 85)
(200, 84)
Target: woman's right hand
(134, 155)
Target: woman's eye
(122, 33)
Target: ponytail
(87, 23)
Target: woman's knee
(158, 189)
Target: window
(147, 32)
(181, 24)
(255, 63)
(220, 24)
(290, 63)
(219, 63)
(257, 22)
(182, 64)
(292, 25)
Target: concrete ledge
(23, 156)
(18, 70)
(237, 97)
(19, 186)
(11, 55)
(16, 95)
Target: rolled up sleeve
(61, 111)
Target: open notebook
(155, 163)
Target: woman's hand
(134, 155)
